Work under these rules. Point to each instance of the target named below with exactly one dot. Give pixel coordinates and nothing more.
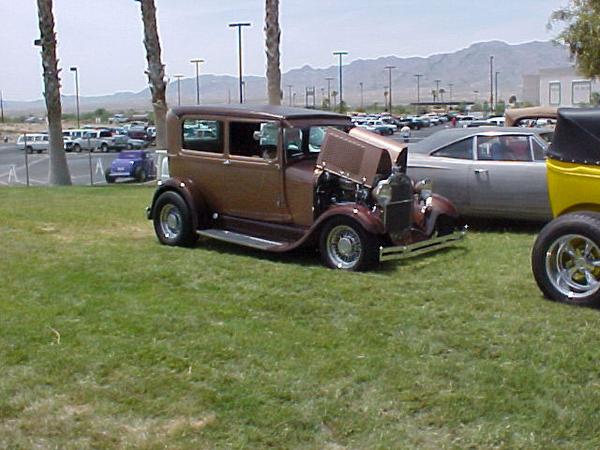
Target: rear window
(203, 135)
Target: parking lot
(87, 168)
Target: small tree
(581, 21)
(59, 170)
(273, 38)
(156, 71)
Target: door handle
(227, 162)
(479, 171)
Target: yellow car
(566, 254)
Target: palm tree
(273, 38)
(59, 170)
(156, 71)
(442, 91)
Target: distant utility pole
(239, 27)
(418, 76)
(362, 97)
(290, 86)
(178, 77)
(389, 69)
(341, 55)
(1, 108)
(329, 80)
(496, 86)
(197, 62)
(491, 83)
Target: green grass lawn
(109, 340)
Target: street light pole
(178, 77)
(390, 68)
(341, 55)
(1, 107)
(491, 83)
(197, 63)
(418, 76)
(239, 27)
(74, 69)
(329, 80)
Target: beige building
(558, 87)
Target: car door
(201, 158)
(506, 181)
(253, 176)
(448, 168)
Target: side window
(503, 148)
(254, 139)
(292, 142)
(203, 135)
(539, 153)
(105, 134)
(459, 150)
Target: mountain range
(464, 75)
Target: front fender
(440, 206)
(369, 220)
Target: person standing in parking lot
(453, 121)
(405, 132)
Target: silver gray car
(487, 172)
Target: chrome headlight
(383, 193)
(424, 189)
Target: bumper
(420, 248)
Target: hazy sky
(104, 37)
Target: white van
(33, 142)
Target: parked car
(35, 142)
(566, 254)
(137, 132)
(486, 172)
(94, 140)
(277, 178)
(136, 164)
(518, 117)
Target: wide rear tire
(566, 259)
(172, 219)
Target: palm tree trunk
(59, 170)
(273, 37)
(156, 71)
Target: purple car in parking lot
(136, 164)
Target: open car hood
(360, 155)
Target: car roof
(257, 111)
(445, 137)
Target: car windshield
(300, 142)
(129, 155)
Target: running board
(240, 239)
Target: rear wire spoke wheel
(566, 259)
(345, 245)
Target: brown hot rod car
(277, 178)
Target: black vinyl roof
(258, 111)
(577, 136)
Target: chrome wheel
(171, 221)
(344, 247)
(573, 266)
